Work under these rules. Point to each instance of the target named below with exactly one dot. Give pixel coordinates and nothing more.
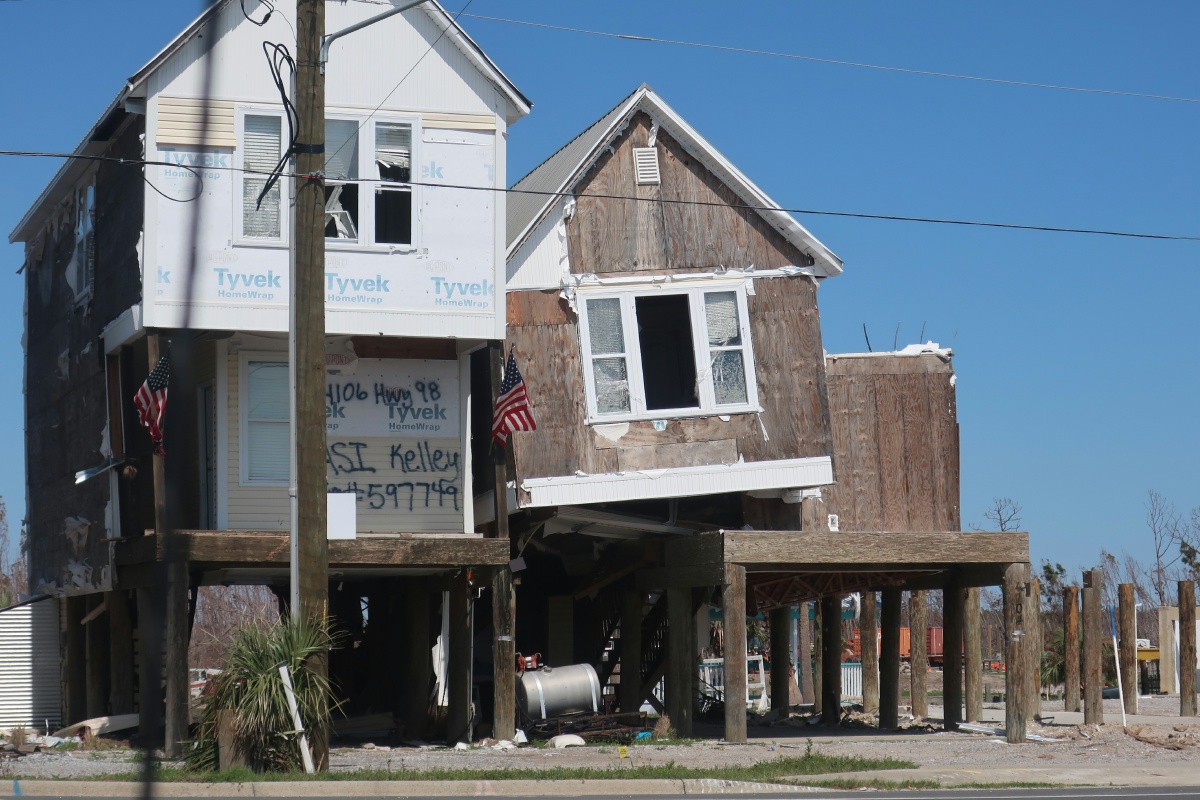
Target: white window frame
(285, 216)
(368, 182)
(244, 421)
(700, 348)
(84, 258)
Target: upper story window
(82, 268)
(368, 165)
(262, 141)
(663, 352)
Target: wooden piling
(629, 693)
(953, 599)
(781, 661)
(96, 634)
(831, 660)
(1127, 646)
(869, 647)
(1015, 587)
(889, 659)
(74, 659)
(417, 666)
(973, 657)
(681, 658)
(1033, 650)
(1093, 636)
(504, 655)
(804, 669)
(1071, 700)
(818, 659)
(733, 603)
(1187, 649)
(120, 653)
(918, 626)
(458, 666)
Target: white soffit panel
(681, 482)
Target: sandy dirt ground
(1169, 739)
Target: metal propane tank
(555, 691)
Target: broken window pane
(668, 351)
(729, 377)
(260, 154)
(604, 325)
(393, 150)
(721, 311)
(341, 211)
(612, 385)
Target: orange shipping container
(856, 643)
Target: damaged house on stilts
(696, 448)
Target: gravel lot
(1170, 739)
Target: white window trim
(244, 359)
(85, 274)
(285, 216)
(367, 184)
(633, 357)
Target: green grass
(810, 764)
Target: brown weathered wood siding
(786, 336)
(895, 438)
(66, 390)
(609, 235)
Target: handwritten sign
(393, 398)
(396, 480)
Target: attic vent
(645, 165)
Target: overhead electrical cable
(667, 201)
(835, 61)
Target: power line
(668, 201)
(835, 61)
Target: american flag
(151, 402)
(512, 406)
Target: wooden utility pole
(504, 598)
(973, 657)
(1015, 587)
(869, 648)
(1071, 648)
(953, 597)
(889, 659)
(1127, 646)
(1187, 649)
(1093, 681)
(918, 659)
(310, 592)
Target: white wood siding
(542, 261)
(418, 483)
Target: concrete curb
(343, 788)
(1118, 774)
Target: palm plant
(249, 687)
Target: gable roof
(134, 87)
(532, 197)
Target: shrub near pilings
(249, 689)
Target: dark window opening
(341, 211)
(393, 216)
(668, 360)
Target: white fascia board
(680, 482)
(122, 330)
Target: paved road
(1075, 793)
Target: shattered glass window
(607, 338)
(726, 359)
(341, 169)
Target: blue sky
(1076, 355)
